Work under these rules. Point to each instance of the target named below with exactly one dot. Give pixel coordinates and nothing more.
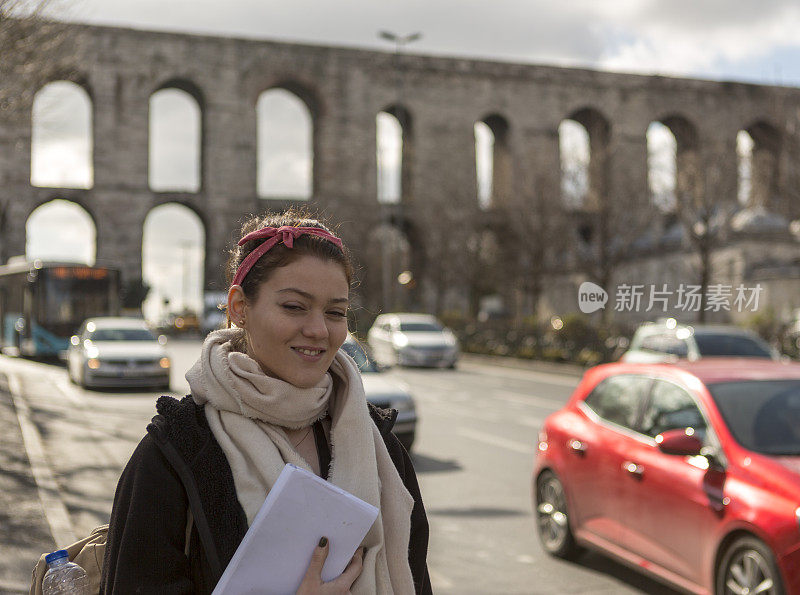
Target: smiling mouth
(310, 352)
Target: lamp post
(399, 41)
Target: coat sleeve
(418, 543)
(147, 530)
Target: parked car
(385, 393)
(412, 340)
(118, 352)
(667, 340)
(689, 472)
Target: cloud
(698, 38)
(683, 37)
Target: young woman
(271, 389)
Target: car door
(594, 454)
(671, 502)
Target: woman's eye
(338, 314)
(293, 307)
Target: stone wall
(344, 90)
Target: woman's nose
(315, 325)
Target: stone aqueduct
(440, 100)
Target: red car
(688, 471)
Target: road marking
(55, 511)
(496, 441)
(71, 392)
(547, 377)
(514, 397)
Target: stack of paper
(300, 508)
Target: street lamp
(399, 41)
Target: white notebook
(273, 557)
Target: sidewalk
(525, 364)
(24, 532)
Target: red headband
(276, 235)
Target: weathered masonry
(437, 101)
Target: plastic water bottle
(64, 577)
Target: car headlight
(93, 363)
(400, 341)
(164, 362)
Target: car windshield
(355, 351)
(420, 327)
(121, 334)
(665, 344)
(722, 344)
(762, 415)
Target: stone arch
(173, 255)
(62, 141)
(176, 125)
(285, 168)
(661, 165)
(574, 153)
(187, 86)
(764, 163)
(688, 187)
(599, 130)
(61, 229)
(398, 169)
(744, 167)
(493, 163)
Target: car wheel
(748, 566)
(552, 517)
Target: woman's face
(298, 320)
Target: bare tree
(609, 228)
(34, 49)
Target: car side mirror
(679, 442)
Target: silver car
(385, 393)
(667, 340)
(118, 352)
(412, 340)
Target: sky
(741, 40)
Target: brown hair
(280, 255)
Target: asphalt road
(62, 450)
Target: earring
(240, 324)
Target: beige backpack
(86, 553)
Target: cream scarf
(246, 410)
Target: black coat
(178, 465)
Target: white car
(412, 340)
(118, 352)
(667, 340)
(385, 393)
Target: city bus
(42, 303)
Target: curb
(525, 364)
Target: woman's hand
(312, 582)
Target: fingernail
(323, 542)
